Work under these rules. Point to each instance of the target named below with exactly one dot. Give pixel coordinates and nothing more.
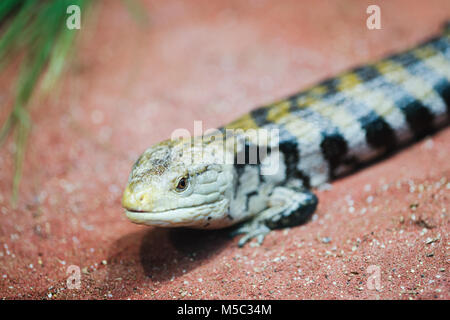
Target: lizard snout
(136, 201)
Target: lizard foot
(251, 230)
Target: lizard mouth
(189, 216)
(171, 210)
(134, 210)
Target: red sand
(133, 85)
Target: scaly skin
(322, 133)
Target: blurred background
(79, 106)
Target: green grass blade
(36, 33)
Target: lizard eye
(182, 184)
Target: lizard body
(224, 179)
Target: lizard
(232, 178)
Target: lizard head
(178, 183)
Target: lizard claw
(250, 231)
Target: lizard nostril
(143, 198)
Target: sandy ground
(381, 233)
